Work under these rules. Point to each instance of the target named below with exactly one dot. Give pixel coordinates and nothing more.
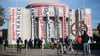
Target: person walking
(85, 39)
(19, 42)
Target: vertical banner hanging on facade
(41, 22)
(18, 22)
(88, 21)
(57, 21)
(33, 22)
(13, 20)
(16, 14)
(64, 23)
(47, 24)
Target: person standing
(79, 41)
(85, 39)
(19, 42)
(39, 43)
(35, 42)
(5, 43)
(30, 43)
(55, 43)
(25, 43)
(66, 41)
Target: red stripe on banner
(88, 24)
(13, 19)
(64, 23)
(88, 19)
(13, 25)
(13, 32)
(41, 22)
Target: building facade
(44, 20)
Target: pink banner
(88, 23)
(64, 23)
(41, 22)
(13, 23)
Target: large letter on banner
(56, 21)
(47, 24)
(18, 22)
(64, 23)
(41, 22)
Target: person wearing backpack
(19, 43)
(79, 41)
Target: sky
(94, 5)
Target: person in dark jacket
(39, 43)
(35, 42)
(85, 39)
(5, 43)
(66, 41)
(19, 43)
(25, 43)
(30, 44)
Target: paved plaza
(43, 52)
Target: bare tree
(1, 16)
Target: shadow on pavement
(7, 55)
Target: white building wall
(26, 24)
(22, 25)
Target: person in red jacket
(79, 41)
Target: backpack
(79, 40)
(19, 42)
